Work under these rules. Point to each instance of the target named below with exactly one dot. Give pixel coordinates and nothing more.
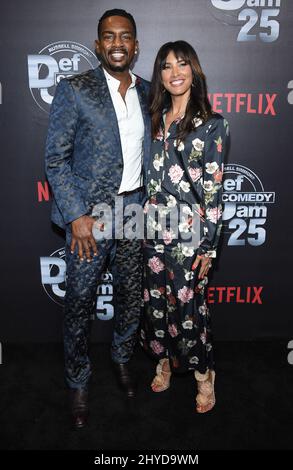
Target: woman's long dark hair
(160, 99)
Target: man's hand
(206, 264)
(81, 229)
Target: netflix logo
(43, 191)
(237, 295)
(247, 103)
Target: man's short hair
(116, 12)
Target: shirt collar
(114, 84)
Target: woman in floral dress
(183, 220)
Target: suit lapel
(105, 98)
(143, 99)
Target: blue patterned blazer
(84, 160)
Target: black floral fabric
(185, 176)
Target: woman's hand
(205, 265)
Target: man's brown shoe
(79, 407)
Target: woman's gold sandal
(161, 380)
(205, 398)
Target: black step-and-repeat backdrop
(246, 49)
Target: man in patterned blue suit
(97, 149)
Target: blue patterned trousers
(125, 258)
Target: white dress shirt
(131, 129)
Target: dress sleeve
(215, 149)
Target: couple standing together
(111, 134)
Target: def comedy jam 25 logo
(56, 61)
(246, 206)
(259, 17)
(53, 275)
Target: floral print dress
(185, 177)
